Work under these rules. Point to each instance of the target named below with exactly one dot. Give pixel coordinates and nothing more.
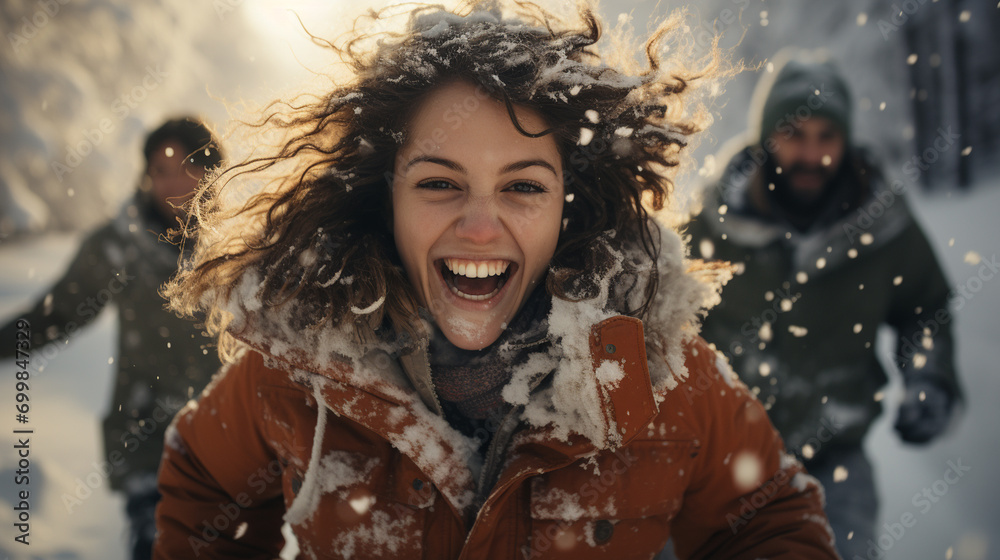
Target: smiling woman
(478, 213)
(455, 326)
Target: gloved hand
(924, 412)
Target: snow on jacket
(626, 434)
(162, 360)
(799, 321)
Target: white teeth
(477, 269)
(483, 297)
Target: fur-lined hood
(880, 216)
(570, 403)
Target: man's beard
(801, 207)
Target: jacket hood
(569, 404)
(727, 211)
(801, 90)
(386, 384)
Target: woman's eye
(435, 185)
(524, 187)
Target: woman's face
(477, 210)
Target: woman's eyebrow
(450, 164)
(524, 164)
(509, 168)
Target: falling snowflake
(797, 331)
(840, 473)
(747, 469)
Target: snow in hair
(322, 189)
(521, 58)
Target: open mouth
(476, 280)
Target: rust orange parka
(632, 433)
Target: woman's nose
(480, 221)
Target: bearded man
(826, 251)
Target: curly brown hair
(317, 227)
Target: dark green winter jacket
(799, 319)
(162, 360)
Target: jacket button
(602, 531)
(610, 348)
(418, 484)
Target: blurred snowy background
(82, 80)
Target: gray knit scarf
(471, 381)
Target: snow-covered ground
(68, 400)
(961, 514)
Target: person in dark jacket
(827, 251)
(163, 361)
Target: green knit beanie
(802, 90)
